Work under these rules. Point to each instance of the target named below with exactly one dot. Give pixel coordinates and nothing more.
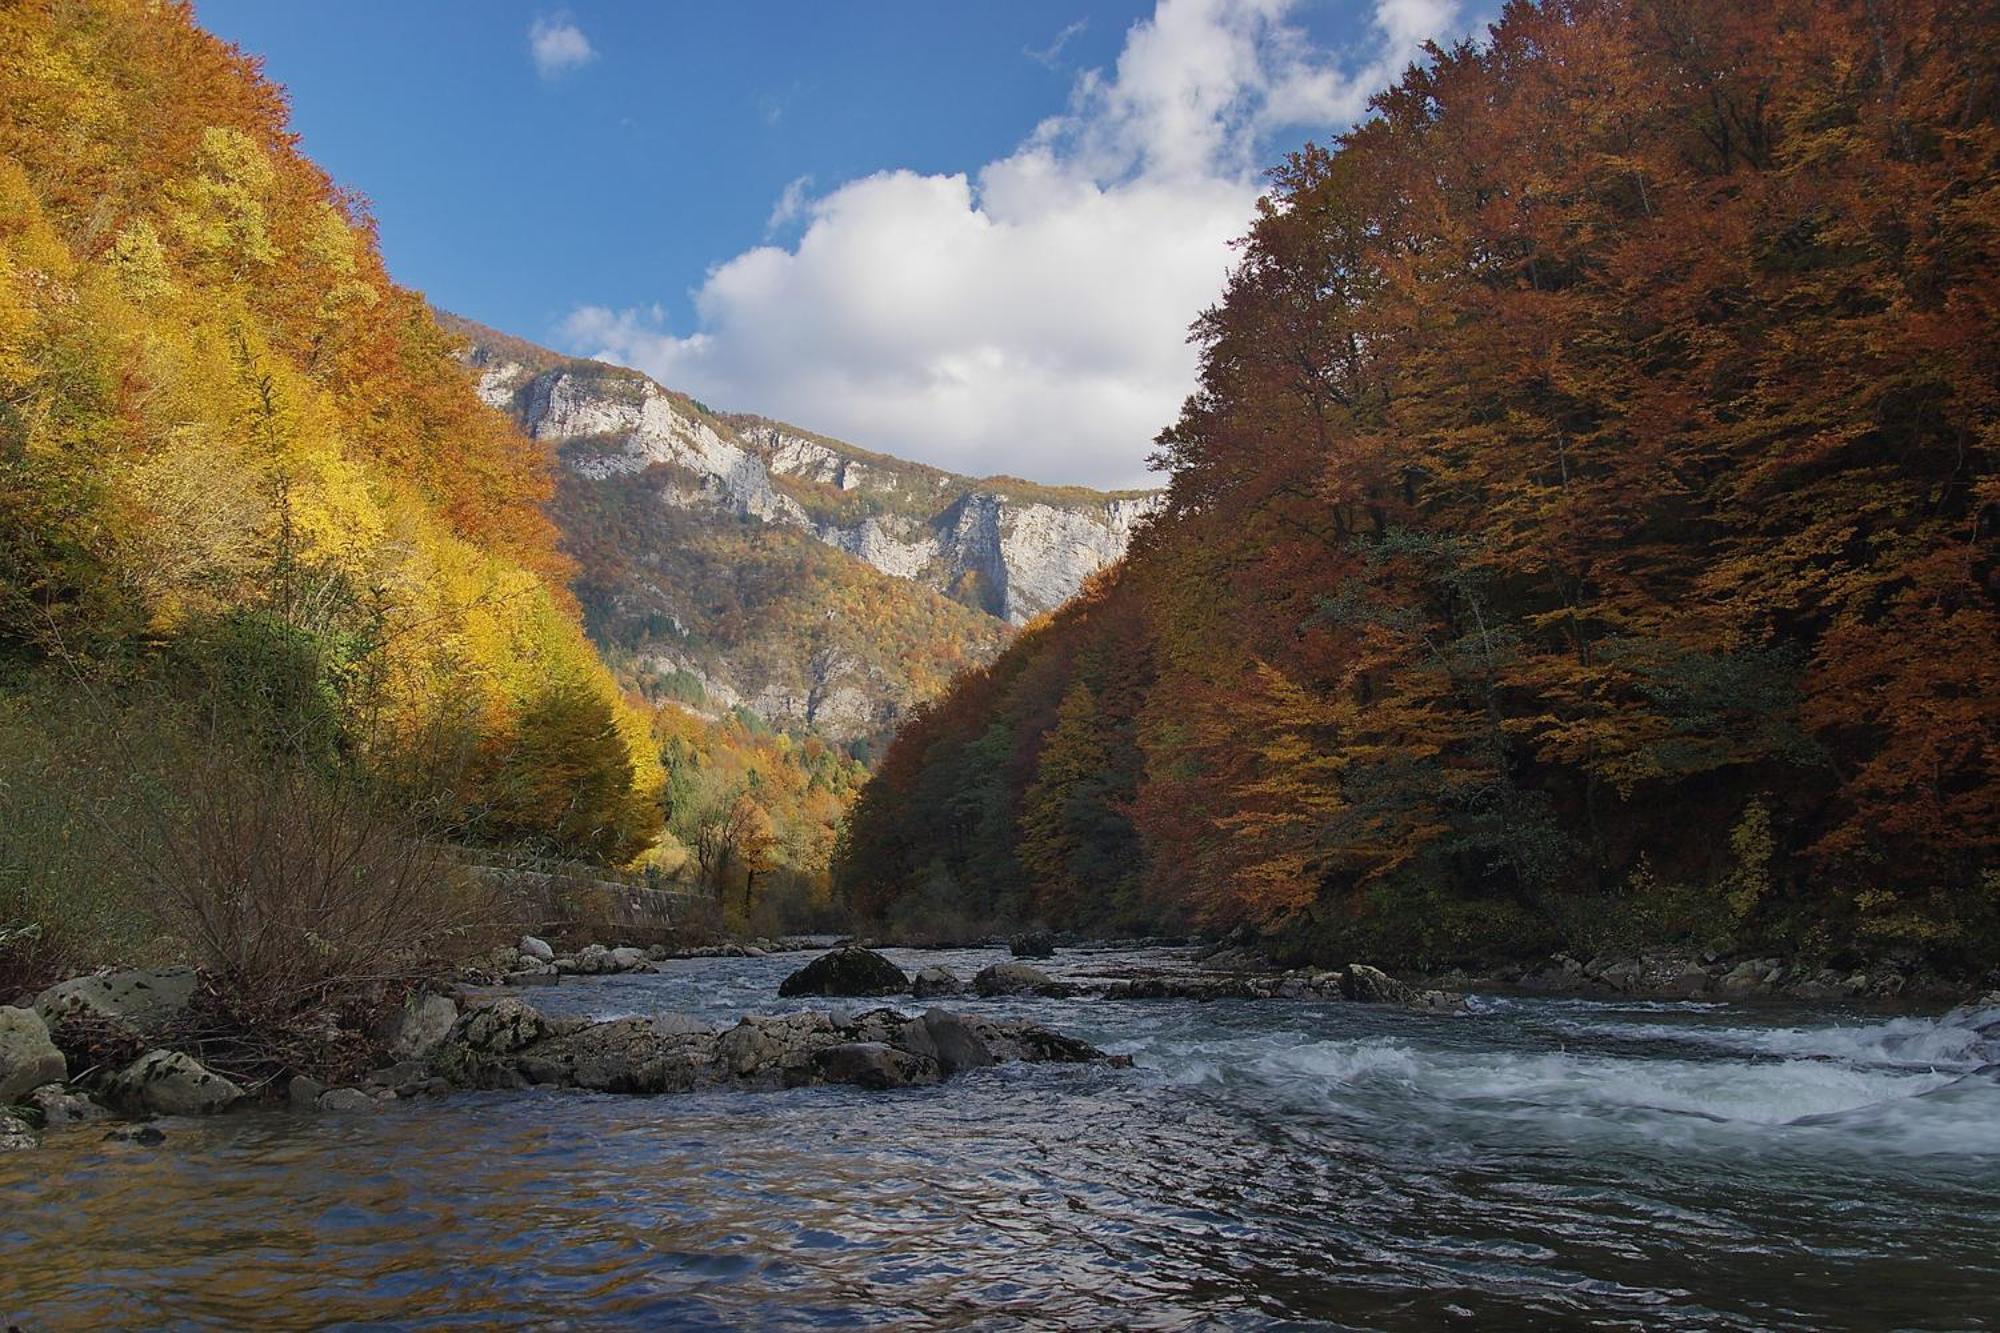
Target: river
(1536, 1162)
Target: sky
(971, 234)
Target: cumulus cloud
(558, 46)
(1029, 317)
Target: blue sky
(964, 232)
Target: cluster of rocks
(1356, 982)
(535, 962)
(1709, 975)
(35, 1073)
(511, 1045)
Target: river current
(1533, 1163)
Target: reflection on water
(1539, 1161)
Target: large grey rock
(1016, 979)
(348, 1101)
(932, 981)
(952, 1040)
(28, 1059)
(537, 949)
(631, 960)
(847, 971)
(143, 998)
(172, 1083)
(874, 1064)
(1371, 985)
(419, 1026)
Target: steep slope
(732, 561)
(231, 447)
(1002, 545)
(1583, 536)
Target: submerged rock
(171, 1083)
(933, 981)
(348, 1101)
(1018, 979)
(28, 1058)
(847, 971)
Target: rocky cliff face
(1008, 547)
(734, 562)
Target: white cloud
(791, 205)
(558, 46)
(1030, 317)
(1049, 54)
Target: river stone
(60, 1107)
(28, 1059)
(303, 1094)
(15, 1135)
(539, 977)
(348, 1101)
(873, 1064)
(171, 1083)
(952, 1040)
(936, 981)
(419, 1025)
(1033, 944)
(500, 1028)
(762, 1045)
(537, 949)
(631, 960)
(144, 998)
(1016, 979)
(847, 971)
(1371, 985)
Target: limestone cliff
(755, 564)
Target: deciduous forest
(1582, 535)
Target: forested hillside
(266, 561)
(1583, 533)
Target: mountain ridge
(1012, 548)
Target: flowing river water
(1534, 1163)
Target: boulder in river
(1017, 979)
(851, 970)
(172, 1083)
(1033, 944)
(537, 949)
(28, 1059)
(932, 981)
(140, 998)
(874, 1064)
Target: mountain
(736, 561)
(1582, 536)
